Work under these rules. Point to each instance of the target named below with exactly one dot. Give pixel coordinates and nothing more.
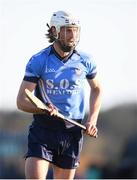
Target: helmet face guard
(66, 41)
(63, 19)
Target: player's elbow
(97, 93)
(19, 103)
(97, 89)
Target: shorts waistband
(53, 123)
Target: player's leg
(36, 168)
(67, 160)
(60, 173)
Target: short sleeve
(33, 69)
(91, 68)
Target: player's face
(68, 38)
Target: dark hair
(50, 36)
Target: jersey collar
(53, 51)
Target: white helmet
(62, 18)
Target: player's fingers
(92, 131)
(53, 112)
(94, 134)
(91, 128)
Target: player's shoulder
(85, 57)
(42, 53)
(38, 59)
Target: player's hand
(91, 130)
(53, 110)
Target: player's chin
(71, 44)
(67, 48)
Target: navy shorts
(61, 147)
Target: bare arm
(22, 101)
(94, 106)
(24, 104)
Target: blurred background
(109, 33)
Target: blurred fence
(112, 155)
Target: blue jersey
(61, 83)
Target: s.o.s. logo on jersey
(64, 84)
(50, 83)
